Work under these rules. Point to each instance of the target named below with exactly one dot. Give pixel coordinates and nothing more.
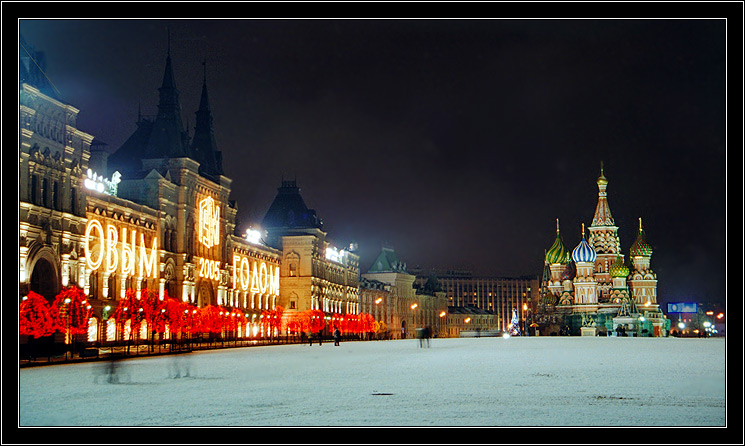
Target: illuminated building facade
(53, 160)
(591, 290)
(154, 214)
(406, 308)
(315, 275)
(375, 299)
(470, 319)
(499, 295)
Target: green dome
(618, 269)
(641, 247)
(557, 253)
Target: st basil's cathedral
(591, 290)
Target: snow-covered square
(520, 381)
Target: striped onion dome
(640, 246)
(584, 252)
(618, 269)
(557, 253)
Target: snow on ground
(529, 381)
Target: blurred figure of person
(420, 335)
(337, 336)
(110, 370)
(320, 337)
(179, 367)
(310, 338)
(428, 334)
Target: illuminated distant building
(591, 290)
(498, 295)
(407, 308)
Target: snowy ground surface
(536, 381)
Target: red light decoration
(35, 316)
(71, 316)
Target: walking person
(337, 337)
(310, 338)
(320, 337)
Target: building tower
(585, 286)
(642, 281)
(604, 239)
(557, 258)
(203, 145)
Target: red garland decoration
(35, 316)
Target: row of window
(48, 194)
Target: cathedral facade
(592, 290)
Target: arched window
(111, 329)
(92, 329)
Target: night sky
(456, 142)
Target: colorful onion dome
(640, 246)
(557, 253)
(619, 269)
(584, 252)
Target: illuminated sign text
(255, 276)
(114, 253)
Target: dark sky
(456, 142)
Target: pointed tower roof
(32, 66)
(288, 210)
(387, 261)
(168, 138)
(603, 216)
(163, 137)
(203, 146)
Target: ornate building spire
(603, 216)
(168, 139)
(204, 148)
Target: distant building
(407, 308)
(499, 295)
(470, 320)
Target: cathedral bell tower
(604, 239)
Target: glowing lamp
(506, 336)
(253, 236)
(681, 325)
